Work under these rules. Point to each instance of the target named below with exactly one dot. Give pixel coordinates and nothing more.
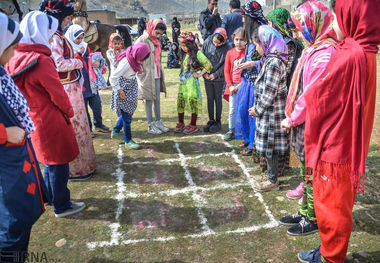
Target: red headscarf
(156, 42)
(334, 130)
(110, 44)
(135, 53)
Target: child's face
(79, 39)
(216, 42)
(184, 47)
(96, 64)
(174, 47)
(239, 42)
(259, 48)
(8, 54)
(117, 44)
(338, 32)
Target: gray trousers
(149, 104)
(272, 168)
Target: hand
(252, 112)
(140, 72)
(15, 135)
(246, 65)
(198, 75)
(122, 94)
(285, 125)
(215, 11)
(81, 50)
(96, 64)
(211, 77)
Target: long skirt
(85, 163)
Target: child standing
(194, 65)
(173, 58)
(215, 48)
(115, 47)
(232, 74)
(270, 99)
(97, 67)
(125, 89)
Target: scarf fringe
(337, 170)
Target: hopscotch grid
(192, 188)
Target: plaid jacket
(270, 100)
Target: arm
(62, 64)
(272, 77)
(219, 73)
(313, 70)
(119, 71)
(207, 66)
(3, 134)
(228, 70)
(111, 57)
(207, 20)
(224, 22)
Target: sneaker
(208, 125)
(190, 129)
(296, 193)
(308, 256)
(81, 178)
(292, 219)
(229, 136)
(116, 135)
(92, 134)
(216, 127)
(260, 178)
(303, 228)
(267, 186)
(300, 201)
(76, 207)
(103, 128)
(133, 145)
(153, 129)
(179, 128)
(161, 126)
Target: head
(234, 4)
(60, 9)
(219, 37)
(269, 41)
(253, 17)
(278, 19)
(79, 39)
(116, 42)
(38, 28)
(175, 19)
(174, 46)
(187, 46)
(212, 4)
(238, 38)
(196, 35)
(256, 41)
(10, 35)
(156, 28)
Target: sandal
(179, 128)
(246, 152)
(190, 129)
(243, 145)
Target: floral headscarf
(314, 20)
(279, 18)
(186, 36)
(273, 43)
(58, 8)
(221, 31)
(253, 9)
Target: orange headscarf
(110, 44)
(156, 42)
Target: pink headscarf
(133, 54)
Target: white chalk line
(115, 234)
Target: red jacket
(50, 108)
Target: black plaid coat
(270, 100)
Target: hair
(193, 64)
(161, 26)
(238, 31)
(220, 38)
(146, 57)
(250, 25)
(332, 5)
(209, 1)
(255, 36)
(235, 4)
(117, 38)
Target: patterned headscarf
(58, 8)
(273, 43)
(314, 20)
(279, 18)
(156, 42)
(110, 43)
(221, 31)
(186, 36)
(10, 35)
(253, 9)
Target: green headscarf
(279, 18)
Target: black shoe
(217, 126)
(305, 227)
(292, 219)
(208, 125)
(103, 128)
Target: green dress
(189, 94)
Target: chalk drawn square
(208, 145)
(151, 151)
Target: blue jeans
(96, 107)
(14, 246)
(232, 114)
(124, 121)
(56, 178)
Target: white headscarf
(9, 32)
(38, 28)
(72, 33)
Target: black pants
(214, 91)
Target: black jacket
(217, 56)
(173, 58)
(208, 23)
(141, 27)
(176, 34)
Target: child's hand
(198, 75)
(211, 77)
(122, 94)
(252, 112)
(285, 125)
(232, 89)
(15, 135)
(246, 65)
(140, 71)
(81, 50)
(96, 64)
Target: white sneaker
(153, 129)
(76, 207)
(161, 126)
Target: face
(174, 47)
(157, 33)
(212, 5)
(79, 39)
(117, 44)
(298, 35)
(140, 62)
(239, 42)
(7, 54)
(216, 42)
(66, 21)
(259, 48)
(184, 47)
(339, 33)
